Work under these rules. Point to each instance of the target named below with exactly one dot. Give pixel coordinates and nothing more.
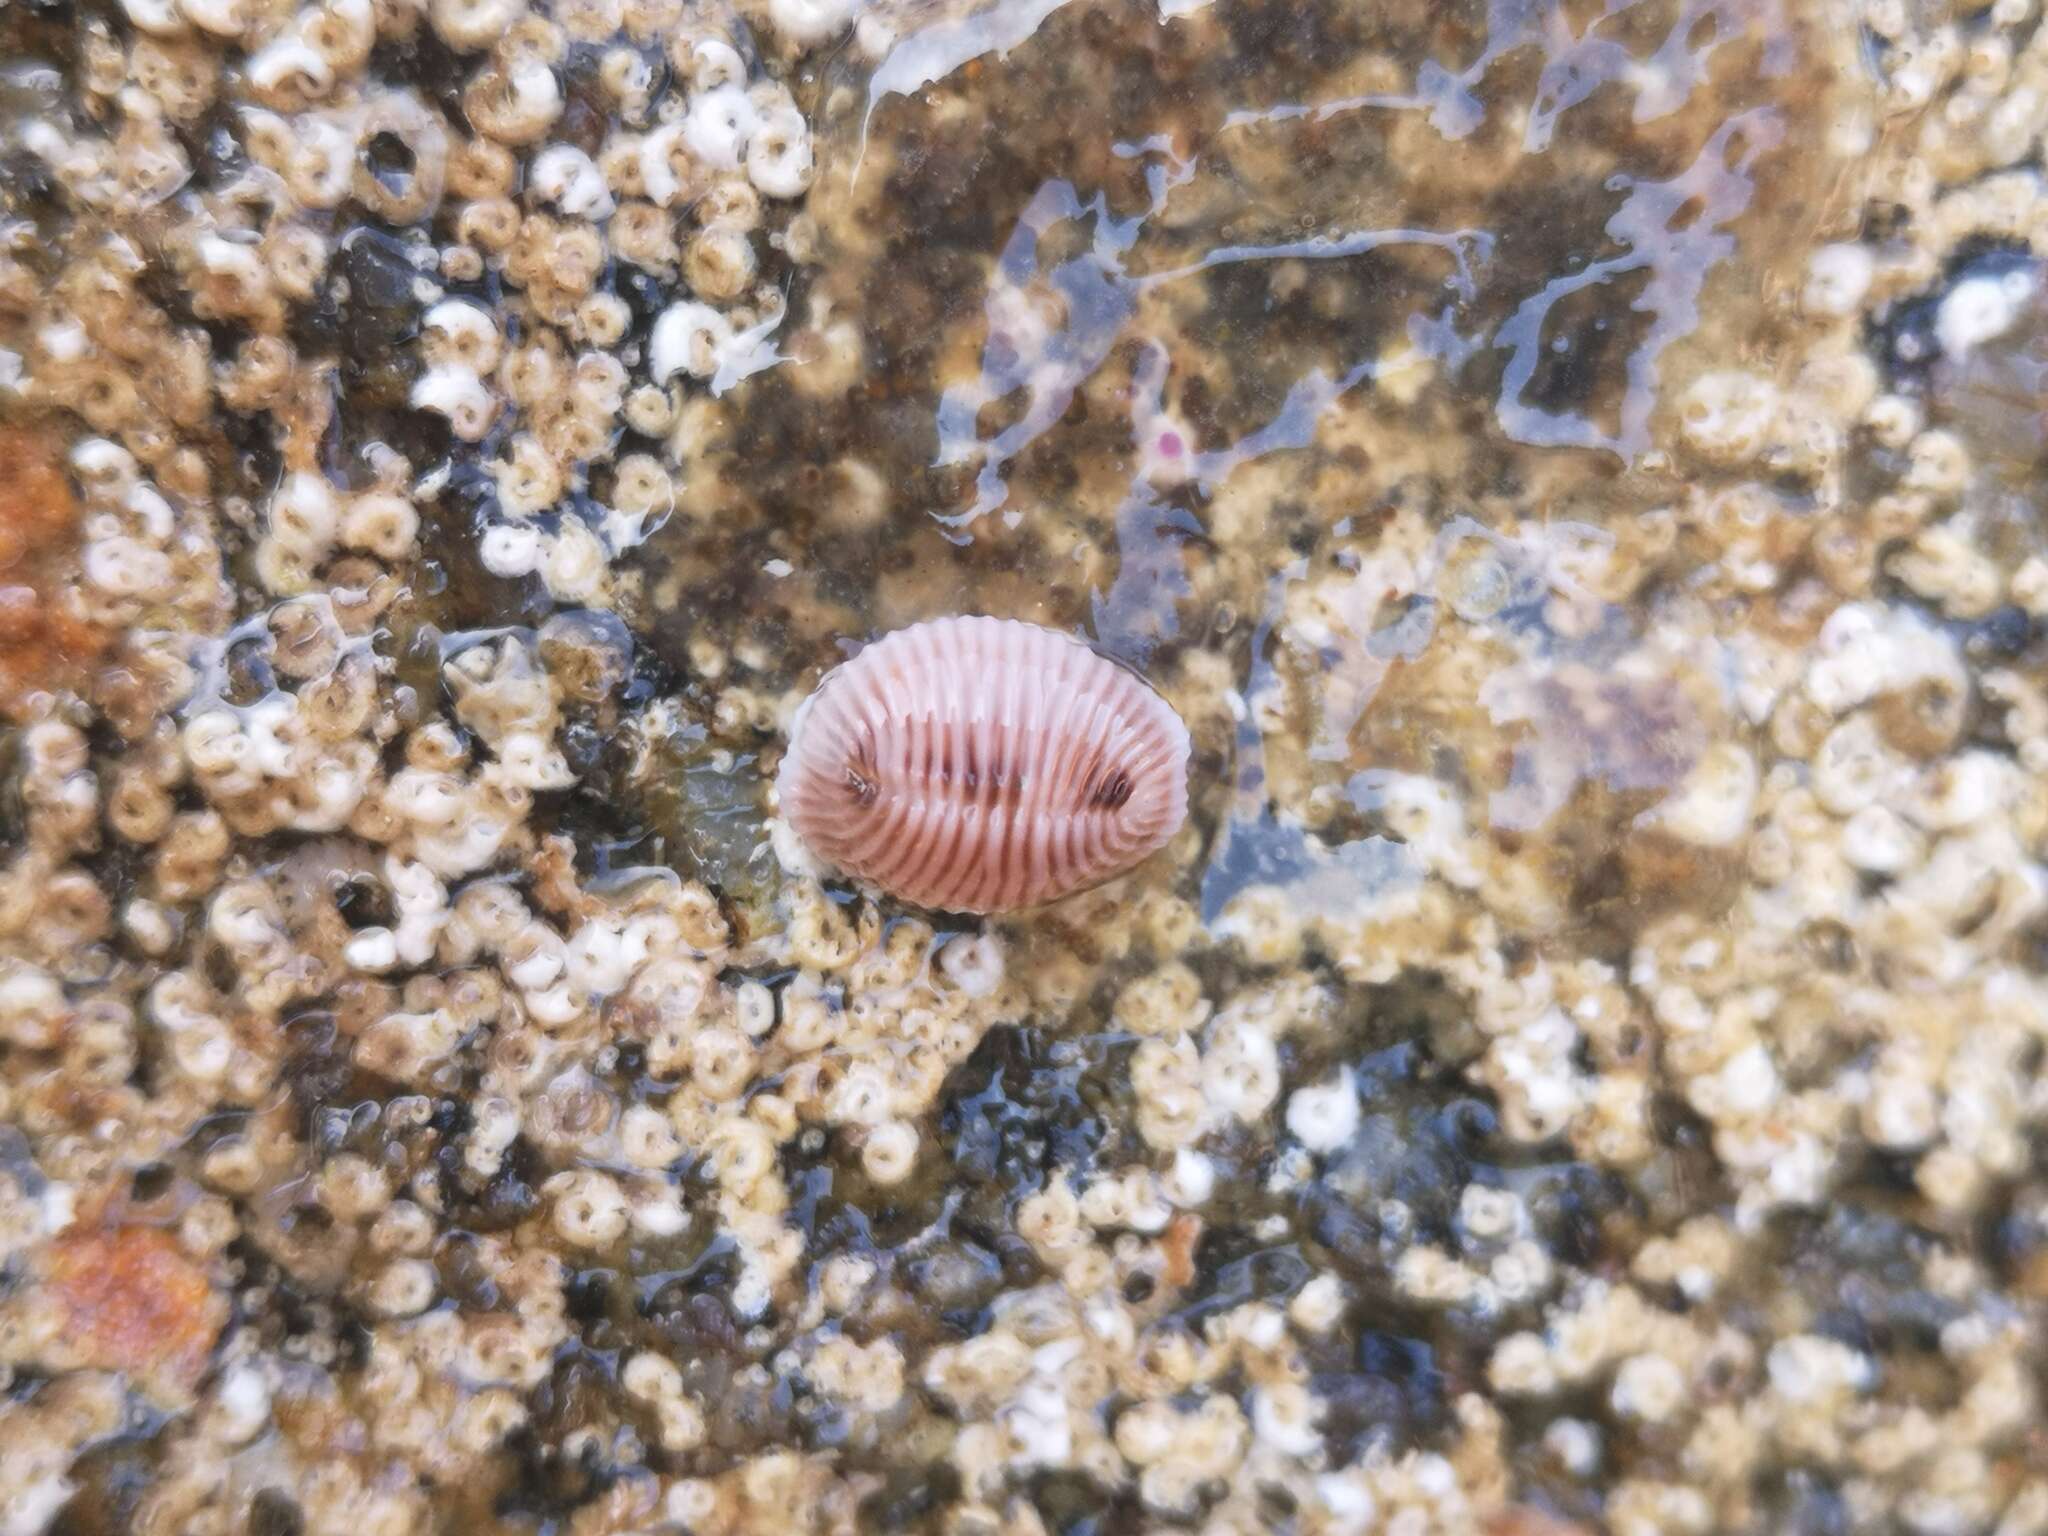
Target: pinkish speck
(1170, 444)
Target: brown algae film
(984, 765)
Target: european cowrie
(983, 765)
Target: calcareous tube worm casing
(983, 765)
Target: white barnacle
(159, 18)
(232, 259)
(511, 549)
(124, 567)
(536, 96)
(805, 22)
(779, 159)
(531, 759)
(973, 964)
(381, 524)
(565, 176)
(715, 63)
(1284, 1417)
(303, 515)
(1712, 806)
(1980, 309)
(459, 395)
(890, 1152)
(1837, 279)
(1324, 1117)
(657, 163)
(371, 950)
(223, 18)
(718, 124)
(573, 563)
(291, 61)
(471, 24)
(104, 467)
(147, 506)
(1190, 1179)
(322, 165)
(242, 1405)
(457, 333)
(62, 341)
(590, 1209)
(687, 338)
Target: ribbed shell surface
(982, 765)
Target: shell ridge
(1009, 778)
(1043, 828)
(942, 826)
(1057, 792)
(949, 830)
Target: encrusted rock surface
(1577, 471)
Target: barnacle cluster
(1576, 472)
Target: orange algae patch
(36, 507)
(41, 639)
(1182, 1234)
(132, 1301)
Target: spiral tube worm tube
(983, 765)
